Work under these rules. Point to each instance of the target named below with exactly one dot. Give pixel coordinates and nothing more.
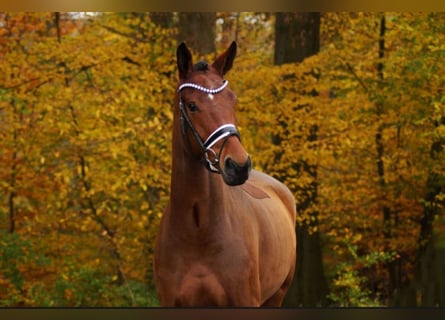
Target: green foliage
(348, 287)
(16, 253)
(89, 287)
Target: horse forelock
(201, 66)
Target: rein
(210, 158)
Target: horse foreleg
(276, 300)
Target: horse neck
(194, 189)
(191, 181)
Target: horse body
(223, 241)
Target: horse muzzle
(235, 174)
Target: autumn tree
(348, 115)
(394, 161)
(80, 112)
(425, 56)
(355, 130)
(297, 36)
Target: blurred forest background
(347, 109)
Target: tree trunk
(435, 185)
(87, 204)
(427, 289)
(297, 36)
(162, 19)
(389, 218)
(12, 185)
(197, 29)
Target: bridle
(209, 158)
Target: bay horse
(227, 236)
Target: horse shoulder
(274, 188)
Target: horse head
(207, 115)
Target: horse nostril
(232, 168)
(230, 165)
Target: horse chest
(218, 244)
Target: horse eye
(193, 107)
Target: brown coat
(225, 239)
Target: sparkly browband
(203, 89)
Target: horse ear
(184, 60)
(225, 61)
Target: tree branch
(354, 74)
(127, 35)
